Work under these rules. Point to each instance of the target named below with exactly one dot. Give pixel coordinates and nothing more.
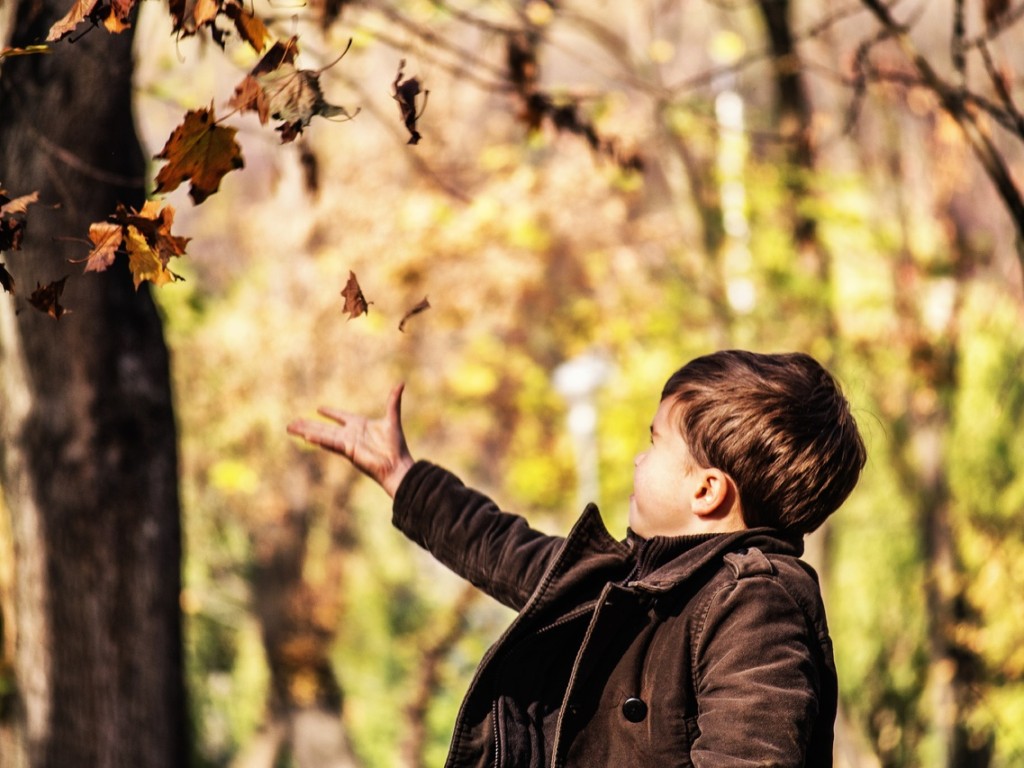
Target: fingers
(334, 414)
(316, 432)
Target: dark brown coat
(719, 657)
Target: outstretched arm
(376, 447)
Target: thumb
(394, 410)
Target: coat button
(634, 709)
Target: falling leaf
(17, 204)
(294, 97)
(12, 219)
(145, 262)
(249, 27)
(405, 93)
(155, 221)
(106, 239)
(199, 151)
(28, 50)
(6, 280)
(423, 306)
(249, 96)
(47, 299)
(148, 239)
(117, 19)
(279, 53)
(277, 88)
(81, 10)
(355, 302)
(204, 12)
(190, 15)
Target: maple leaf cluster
(147, 237)
(189, 16)
(201, 150)
(13, 221)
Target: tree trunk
(299, 620)
(88, 456)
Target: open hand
(376, 447)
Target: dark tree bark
(88, 456)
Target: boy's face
(666, 480)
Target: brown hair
(778, 425)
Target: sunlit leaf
(106, 239)
(81, 10)
(28, 50)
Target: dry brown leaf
(47, 299)
(423, 306)
(355, 302)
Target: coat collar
(690, 560)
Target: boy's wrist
(393, 479)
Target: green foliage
(544, 253)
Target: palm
(376, 447)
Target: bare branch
(953, 101)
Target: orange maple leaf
(106, 239)
(204, 12)
(199, 151)
(118, 18)
(249, 27)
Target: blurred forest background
(629, 184)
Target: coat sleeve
(756, 679)
(464, 529)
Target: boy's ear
(713, 493)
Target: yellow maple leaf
(144, 262)
(198, 151)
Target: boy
(699, 640)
